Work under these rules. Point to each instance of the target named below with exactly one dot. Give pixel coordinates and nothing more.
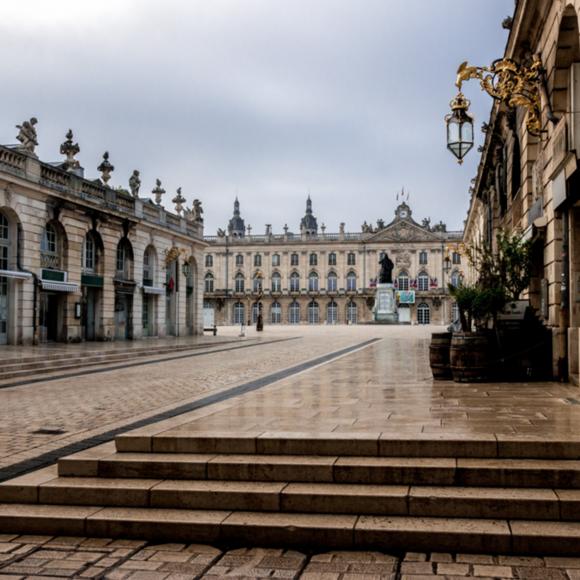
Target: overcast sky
(266, 99)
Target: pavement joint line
(137, 363)
(50, 457)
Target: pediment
(403, 231)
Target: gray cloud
(269, 99)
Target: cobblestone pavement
(78, 408)
(65, 557)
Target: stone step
(181, 440)
(45, 487)
(524, 473)
(398, 533)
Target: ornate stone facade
(317, 277)
(531, 184)
(80, 260)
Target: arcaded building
(83, 260)
(317, 277)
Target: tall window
(124, 262)
(423, 258)
(351, 259)
(255, 312)
(351, 282)
(423, 314)
(295, 282)
(456, 258)
(332, 259)
(239, 283)
(239, 313)
(276, 282)
(313, 259)
(455, 278)
(257, 261)
(294, 313)
(331, 312)
(239, 260)
(332, 282)
(351, 312)
(257, 283)
(313, 313)
(294, 259)
(276, 260)
(148, 267)
(403, 281)
(209, 261)
(4, 241)
(209, 282)
(276, 313)
(423, 282)
(49, 248)
(313, 282)
(89, 250)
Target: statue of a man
(27, 135)
(135, 183)
(386, 273)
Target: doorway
(91, 313)
(3, 310)
(123, 316)
(50, 303)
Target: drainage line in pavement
(137, 363)
(51, 457)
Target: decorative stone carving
(507, 23)
(403, 261)
(158, 191)
(27, 135)
(106, 168)
(197, 211)
(70, 149)
(135, 183)
(178, 200)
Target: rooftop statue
(135, 183)
(27, 135)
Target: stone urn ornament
(158, 191)
(69, 149)
(178, 200)
(105, 168)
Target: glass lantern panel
(453, 132)
(467, 132)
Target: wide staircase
(48, 362)
(461, 494)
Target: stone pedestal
(385, 308)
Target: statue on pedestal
(386, 273)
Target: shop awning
(59, 286)
(153, 290)
(15, 274)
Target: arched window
(331, 312)
(295, 282)
(403, 281)
(50, 247)
(423, 282)
(351, 282)
(275, 260)
(332, 282)
(276, 313)
(455, 278)
(257, 261)
(149, 265)
(294, 260)
(276, 282)
(257, 283)
(313, 259)
(351, 259)
(239, 260)
(332, 259)
(351, 312)
(423, 314)
(313, 313)
(89, 253)
(209, 261)
(423, 258)
(294, 313)
(239, 314)
(4, 242)
(313, 282)
(209, 280)
(239, 283)
(124, 262)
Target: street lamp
(459, 128)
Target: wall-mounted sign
(406, 296)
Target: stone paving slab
(79, 557)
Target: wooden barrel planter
(471, 357)
(439, 352)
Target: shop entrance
(50, 303)
(123, 316)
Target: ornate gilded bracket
(173, 253)
(512, 83)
